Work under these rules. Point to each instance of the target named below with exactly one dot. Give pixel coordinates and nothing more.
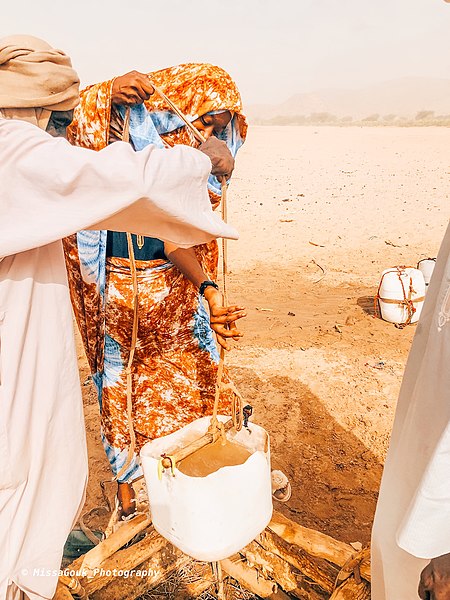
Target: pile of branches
(285, 561)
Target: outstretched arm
(54, 189)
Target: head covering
(33, 75)
(196, 88)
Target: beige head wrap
(35, 79)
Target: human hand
(435, 579)
(223, 318)
(131, 88)
(220, 156)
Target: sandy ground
(321, 212)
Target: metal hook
(247, 412)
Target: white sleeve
(51, 189)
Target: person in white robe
(412, 521)
(50, 189)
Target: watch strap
(206, 284)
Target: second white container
(401, 294)
(426, 266)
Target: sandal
(281, 487)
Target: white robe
(412, 521)
(50, 189)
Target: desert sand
(321, 212)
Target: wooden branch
(315, 569)
(270, 565)
(201, 442)
(93, 558)
(195, 588)
(158, 568)
(311, 541)
(359, 565)
(62, 592)
(308, 591)
(114, 542)
(287, 576)
(352, 590)
(304, 562)
(250, 579)
(127, 559)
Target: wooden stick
(62, 592)
(127, 559)
(270, 564)
(359, 565)
(311, 541)
(289, 578)
(159, 567)
(196, 588)
(283, 557)
(316, 569)
(199, 137)
(248, 577)
(353, 590)
(114, 542)
(204, 440)
(220, 588)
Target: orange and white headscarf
(196, 88)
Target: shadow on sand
(367, 304)
(335, 478)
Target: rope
(134, 334)
(196, 133)
(216, 568)
(224, 243)
(407, 301)
(237, 404)
(220, 385)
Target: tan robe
(50, 189)
(412, 522)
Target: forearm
(222, 318)
(186, 262)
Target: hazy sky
(273, 49)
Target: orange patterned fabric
(174, 374)
(196, 88)
(91, 118)
(175, 366)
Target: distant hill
(387, 101)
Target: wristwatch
(206, 284)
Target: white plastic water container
(426, 266)
(210, 518)
(396, 285)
